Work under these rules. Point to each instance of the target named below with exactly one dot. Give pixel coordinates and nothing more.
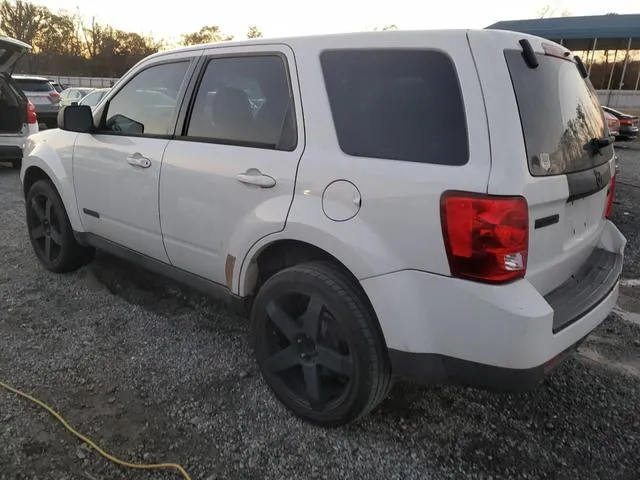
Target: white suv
(18, 118)
(424, 205)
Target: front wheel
(50, 231)
(318, 344)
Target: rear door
(549, 143)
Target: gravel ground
(155, 372)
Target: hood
(10, 52)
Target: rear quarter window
(397, 104)
(34, 85)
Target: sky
(281, 18)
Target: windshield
(560, 115)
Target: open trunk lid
(11, 51)
(550, 144)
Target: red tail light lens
(625, 121)
(610, 196)
(32, 117)
(54, 96)
(486, 237)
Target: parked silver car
(43, 95)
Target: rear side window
(245, 101)
(397, 104)
(560, 115)
(34, 85)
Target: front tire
(50, 231)
(318, 344)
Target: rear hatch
(40, 92)
(550, 144)
(10, 52)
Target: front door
(228, 179)
(117, 170)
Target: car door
(117, 169)
(228, 177)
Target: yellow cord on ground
(92, 444)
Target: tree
(548, 11)
(21, 20)
(254, 32)
(207, 34)
(135, 45)
(59, 35)
(386, 28)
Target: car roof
(30, 77)
(325, 38)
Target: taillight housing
(626, 121)
(608, 210)
(54, 96)
(486, 237)
(32, 116)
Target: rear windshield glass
(397, 104)
(33, 85)
(560, 115)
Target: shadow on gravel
(146, 289)
(579, 420)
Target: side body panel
(397, 224)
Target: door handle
(253, 176)
(138, 160)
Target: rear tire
(50, 231)
(318, 345)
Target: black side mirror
(76, 118)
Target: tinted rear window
(560, 113)
(34, 85)
(397, 104)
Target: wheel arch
(278, 254)
(35, 167)
(275, 254)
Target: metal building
(588, 35)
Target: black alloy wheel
(50, 231)
(318, 346)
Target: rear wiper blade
(596, 144)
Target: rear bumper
(444, 330)
(437, 369)
(628, 131)
(9, 153)
(49, 117)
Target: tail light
(625, 121)
(32, 117)
(54, 96)
(610, 196)
(486, 237)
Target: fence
(625, 100)
(94, 82)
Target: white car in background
(72, 95)
(94, 97)
(18, 118)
